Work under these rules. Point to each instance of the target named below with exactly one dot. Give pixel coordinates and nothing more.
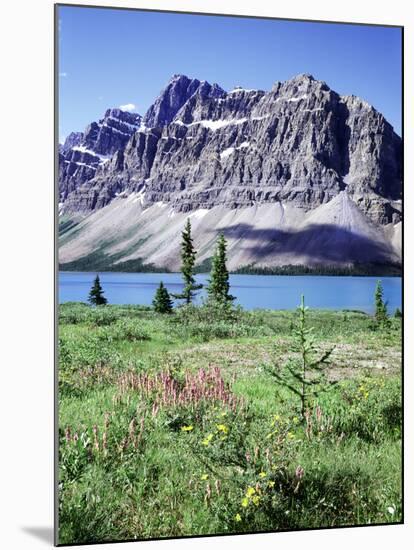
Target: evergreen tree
(96, 296)
(381, 315)
(305, 375)
(398, 314)
(219, 286)
(162, 302)
(188, 255)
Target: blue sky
(109, 58)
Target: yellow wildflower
(207, 440)
(204, 477)
(187, 428)
(222, 428)
(256, 500)
(245, 502)
(276, 418)
(262, 474)
(250, 492)
(237, 517)
(291, 435)
(271, 484)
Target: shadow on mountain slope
(321, 243)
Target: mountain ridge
(199, 148)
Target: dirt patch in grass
(347, 360)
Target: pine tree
(162, 302)
(219, 286)
(188, 255)
(305, 376)
(398, 314)
(381, 315)
(96, 296)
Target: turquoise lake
(251, 291)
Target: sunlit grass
(143, 456)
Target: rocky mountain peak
(175, 95)
(302, 77)
(200, 147)
(124, 116)
(73, 139)
(112, 132)
(318, 168)
(178, 77)
(85, 153)
(305, 83)
(171, 99)
(210, 90)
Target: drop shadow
(45, 534)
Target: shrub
(211, 321)
(370, 408)
(123, 330)
(73, 313)
(85, 362)
(102, 316)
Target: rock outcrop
(84, 152)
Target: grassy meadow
(173, 425)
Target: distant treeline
(93, 264)
(100, 263)
(366, 269)
(204, 266)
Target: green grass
(223, 449)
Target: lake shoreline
(274, 292)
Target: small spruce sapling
(162, 302)
(304, 376)
(381, 314)
(96, 294)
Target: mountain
(295, 175)
(84, 152)
(176, 94)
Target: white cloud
(127, 107)
(64, 75)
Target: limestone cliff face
(83, 153)
(199, 147)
